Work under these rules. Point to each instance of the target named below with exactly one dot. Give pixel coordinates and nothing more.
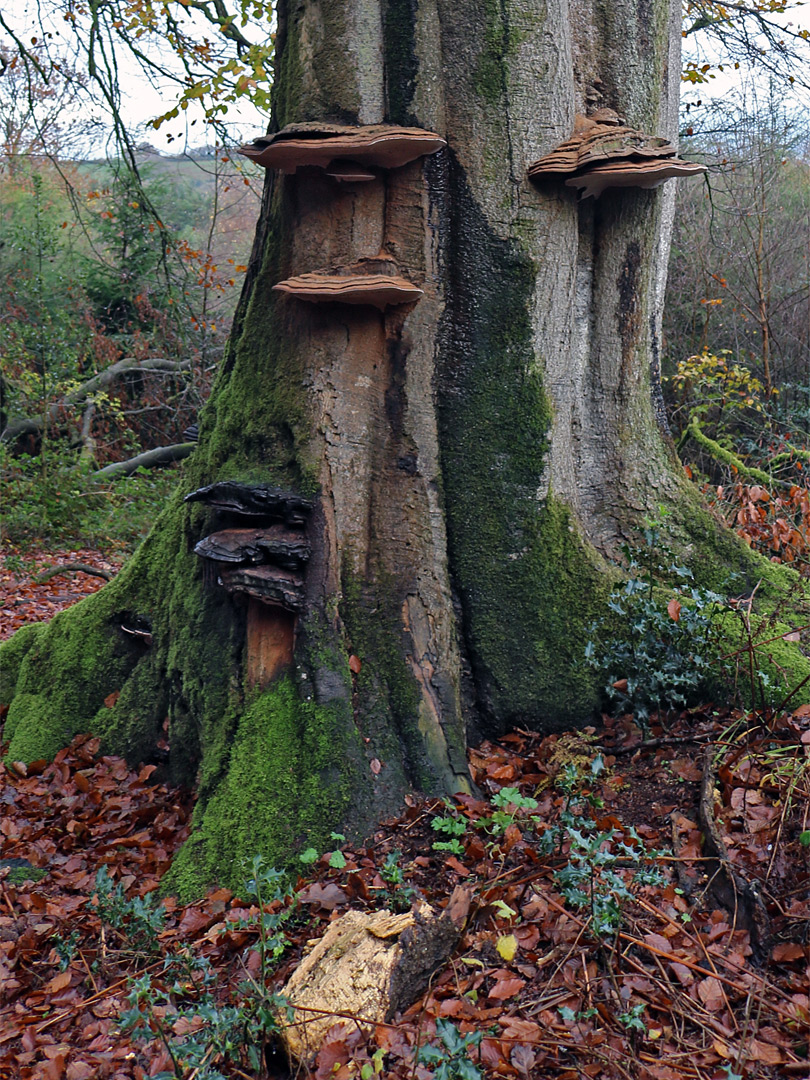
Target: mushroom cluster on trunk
(264, 561)
(604, 153)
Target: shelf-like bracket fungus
(254, 501)
(342, 150)
(369, 281)
(642, 174)
(265, 562)
(603, 153)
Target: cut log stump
(366, 968)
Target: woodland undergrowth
(596, 945)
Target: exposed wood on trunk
(270, 642)
(369, 966)
(739, 896)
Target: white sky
(142, 101)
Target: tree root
(726, 457)
(739, 896)
(85, 568)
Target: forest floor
(640, 908)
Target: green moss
(73, 664)
(499, 41)
(12, 654)
(288, 782)
(722, 561)
(387, 695)
(401, 64)
(18, 875)
(321, 84)
(257, 422)
(527, 584)
(761, 668)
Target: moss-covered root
(12, 653)
(763, 661)
(290, 780)
(56, 677)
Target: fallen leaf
(686, 769)
(328, 896)
(710, 991)
(376, 766)
(506, 988)
(57, 983)
(674, 609)
(355, 664)
(789, 950)
(764, 1052)
(112, 698)
(507, 947)
(194, 919)
(523, 1058)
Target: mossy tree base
(475, 460)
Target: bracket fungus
(342, 150)
(254, 500)
(642, 174)
(369, 281)
(266, 563)
(603, 153)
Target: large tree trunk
(473, 462)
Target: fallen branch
(161, 455)
(655, 744)
(85, 568)
(33, 425)
(725, 457)
(737, 895)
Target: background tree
(739, 272)
(469, 467)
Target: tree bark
(451, 480)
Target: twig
(85, 568)
(89, 1001)
(731, 890)
(655, 744)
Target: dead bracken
(342, 150)
(603, 153)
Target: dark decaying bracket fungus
(265, 562)
(328, 145)
(368, 281)
(255, 500)
(603, 153)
